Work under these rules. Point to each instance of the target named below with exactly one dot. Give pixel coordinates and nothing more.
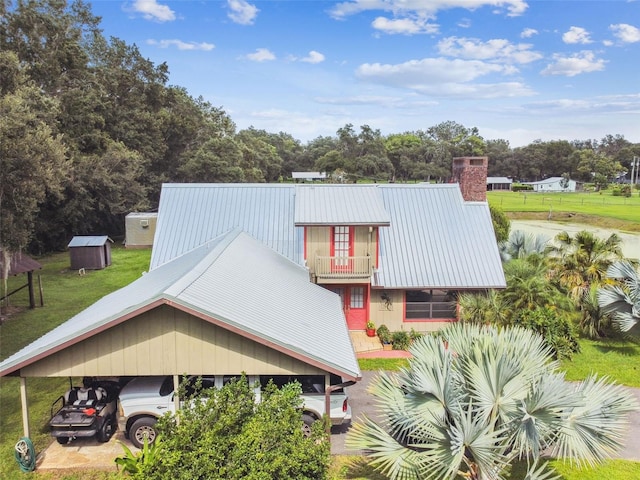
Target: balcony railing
(343, 267)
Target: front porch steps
(362, 343)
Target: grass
(65, 294)
(617, 359)
(603, 210)
(355, 467)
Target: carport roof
(257, 292)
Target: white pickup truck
(145, 399)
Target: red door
(355, 304)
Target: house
(90, 252)
(229, 306)
(499, 183)
(308, 176)
(554, 184)
(395, 254)
(140, 228)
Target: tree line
(90, 129)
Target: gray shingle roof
(278, 303)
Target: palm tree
(622, 299)
(528, 286)
(580, 261)
(470, 405)
(522, 245)
(486, 307)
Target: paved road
(362, 402)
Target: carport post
(327, 399)
(176, 398)
(25, 410)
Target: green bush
(384, 334)
(226, 434)
(400, 340)
(556, 329)
(516, 187)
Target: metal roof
(309, 175)
(20, 263)
(256, 290)
(339, 205)
(499, 180)
(191, 214)
(437, 240)
(434, 239)
(89, 241)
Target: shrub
(556, 330)
(400, 340)
(384, 334)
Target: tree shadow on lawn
(629, 346)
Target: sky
(517, 70)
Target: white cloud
(375, 100)
(313, 57)
(427, 9)
(180, 45)
(582, 62)
(152, 10)
(405, 26)
(464, 23)
(495, 49)
(528, 33)
(626, 33)
(607, 43)
(242, 12)
(261, 55)
(440, 76)
(576, 35)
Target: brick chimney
(471, 174)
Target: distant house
(140, 228)
(90, 252)
(308, 176)
(396, 254)
(554, 184)
(498, 183)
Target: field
(599, 209)
(65, 293)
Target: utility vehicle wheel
(105, 432)
(143, 428)
(307, 421)
(62, 440)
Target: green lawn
(591, 204)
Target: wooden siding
(318, 244)
(166, 341)
(392, 314)
(90, 258)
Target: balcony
(343, 268)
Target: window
(341, 246)
(429, 304)
(357, 297)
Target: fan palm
(622, 299)
(477, 398)
(522, 244)
(580, 261)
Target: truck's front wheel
(143, 428)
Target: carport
(231, 305)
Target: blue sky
(518, 70)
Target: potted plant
(384, 334)
(371, 329)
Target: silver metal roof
(437, 240)
(256, 290)
(499, 180)
(89, 241)
(339, 205)
(434, 238)
(191, 214)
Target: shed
(90, 252)
(140, 228)
(499, 183)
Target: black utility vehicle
(87, 411)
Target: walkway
(370, 347)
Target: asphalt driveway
(361, 402)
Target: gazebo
(20, 263)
